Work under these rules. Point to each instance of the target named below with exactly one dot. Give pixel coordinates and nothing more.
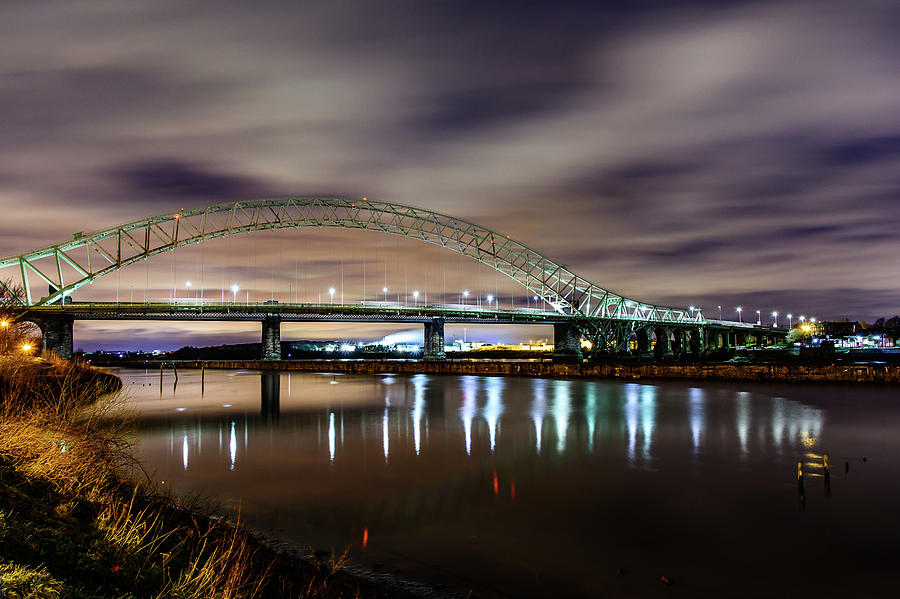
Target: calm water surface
(546, 488)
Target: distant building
(851, 334)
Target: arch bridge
(579, 307)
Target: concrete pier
(57, 332)
(271, 338)
(434, 341)
(567, 343)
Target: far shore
(872, 373)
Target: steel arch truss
(87, 257)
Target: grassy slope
(71, 525)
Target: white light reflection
(232, 446)
(538, 409)
(418, 382)
(696, 401)
(562, 408)
(385, 434)
(184, 452)
(631, 417)
(467, 412)
(331, 436)
(778, 423)
(648, 417)
(494, 407)
(742, 419)
(590, 413)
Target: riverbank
(79, 519)
(709, 371)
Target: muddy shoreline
(709, 371)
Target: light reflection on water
(518, 464)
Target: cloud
(703, 151)
(185, 180)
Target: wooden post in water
(202, 378)
(800, 489)
(827, 472)
(160, 378)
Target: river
(518, 487)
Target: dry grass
(79, 519)
(58, 447)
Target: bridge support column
(678, 343)
(661, 349)
(621, 341)
(434, 341)
(695, 340)
(566, 343)
(643, 340)
(271, 338)
(57, 333)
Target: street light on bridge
(234, 290)
(331, 295)
(790, 322)
(775, 319)
(384, 291)
(416, 298)
(739, 314)
(465, 295)
(758, 318)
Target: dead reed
(77, 519)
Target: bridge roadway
(622, 336)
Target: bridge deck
(235, 311)
(193, 310)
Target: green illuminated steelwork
(93, 255)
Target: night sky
(705, 153)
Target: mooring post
(202, 378)
(827, 470)
(800, 489)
